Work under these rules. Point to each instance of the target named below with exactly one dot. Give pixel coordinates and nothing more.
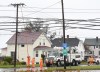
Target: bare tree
(37, 26)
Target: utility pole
(63, 30)
(15, 54)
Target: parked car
(97, 60)
(49, 61)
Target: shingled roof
(92, 41)
(25, 37)
(70, 41)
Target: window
(93, 52)
(90, 52)
(12, 55)
(96, 46)
(22, 45)
(43, 41)
(36, 53)
(77, 56)
(99, 52)
(40, 42)
(22, 58)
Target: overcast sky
(74, 9)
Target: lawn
(50, 69)
(95, 67)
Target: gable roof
(70, 42)
(24, 37)
(92, 41)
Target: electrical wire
(43, 8)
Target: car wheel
(73, 63)
(97, 62)
(58, 63)
(76, 63)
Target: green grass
(50, 69)
(96, 67)
(12, 66)
(17, 66)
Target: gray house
(92, 47)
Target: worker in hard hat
(91, 60)
(28, 61)
(41, 63)
(33, 62)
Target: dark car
(50, 61)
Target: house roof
(24, 37)
(70, 42)
(42, 48)
(93, 41)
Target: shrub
(7, 59)
(23, 63)
(4, 63)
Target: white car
(97, 60)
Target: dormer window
(43, 43)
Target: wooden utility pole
(63, 31)
(15, 54)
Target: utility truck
(57, 59)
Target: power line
(50, 12)
(43, 8)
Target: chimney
(96, 39)
(67, 36)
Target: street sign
(65, 52)
(64, 45)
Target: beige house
(29, 43)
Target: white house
(31, 44)
(4, 51)
(92, 46)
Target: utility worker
(33, 62)
(28, 61)
(41, 64)
(91, 60)
(51, 62)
